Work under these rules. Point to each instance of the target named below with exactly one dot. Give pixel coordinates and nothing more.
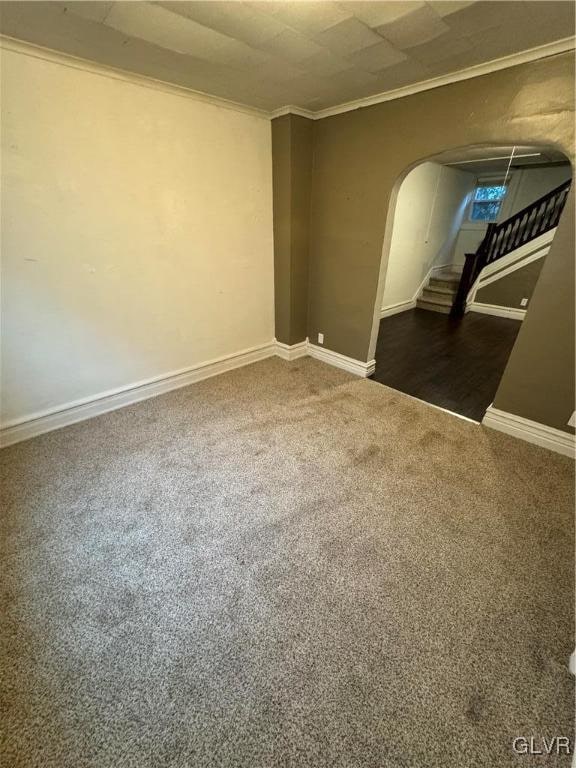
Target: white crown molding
(523, 57)
(349, 364)
(79, 410)
(75, 62)
(292, 110)
(65, 59)
(531, 431)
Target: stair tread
(446, 278)
(445, 291)
(449, 285)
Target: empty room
(287, 395)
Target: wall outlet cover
(524, 302)
(320, 338)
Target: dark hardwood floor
(454, 364)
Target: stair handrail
(501, 239)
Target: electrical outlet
(320, 338)
(572, 420)
(523, 302)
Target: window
(487, 201)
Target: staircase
(439, 294)
(501, 239)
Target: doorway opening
(469, 233)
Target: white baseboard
(531, 431)
(79, 410)
(305, 348)
(395, 309)
(341, 361)
(46, 421)
(291, 352)
(492, 309)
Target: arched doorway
(466, 235)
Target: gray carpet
(283, 566)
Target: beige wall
(428, 214)
(136, 234)
(358, 158)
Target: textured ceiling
(313, 55)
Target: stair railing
(501, 239)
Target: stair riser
(448, 274)
(433, 307)
(440, 291)
(436, 282)
(437, 298)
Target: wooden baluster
(537, 221)
(502, 241)
(490, 241)
(546, 220)
(512, 235)
(520, 240)
(498, 244)
(526, 237)
(560, 200)
(561, 203)
(519, 232)
(543, 220)
(554, 213)
(506, 239)
(530, 225)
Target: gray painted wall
(511, 289)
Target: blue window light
(487, 202)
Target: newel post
(466, 281)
